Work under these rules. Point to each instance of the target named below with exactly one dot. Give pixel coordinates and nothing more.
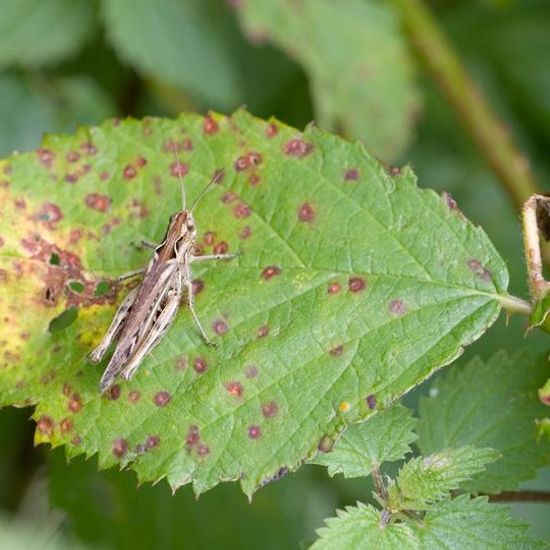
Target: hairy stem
(489, 133)
(379, 483)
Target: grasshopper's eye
(190, 224)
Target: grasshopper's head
(182, 231)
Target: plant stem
(512, 304)
(538, 286)
(521, 496)
(489, 133)
(379, 483)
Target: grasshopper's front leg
(116, 325)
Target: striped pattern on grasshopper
(148, 311)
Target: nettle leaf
(361, 448)
(350, 287)
(502, 416)
(451, 524)
(363, 526)
(356, 59)
(33, 32)
(424, 480)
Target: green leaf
(474, 523)
(452, 524)
(424, 480)
(33, 32)
(493, 404)
(356, 60)
(350, 287)
(196, 45)
(363, 526)
(384, 438)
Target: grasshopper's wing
(164, 319)
(115, 328)
(140, 329)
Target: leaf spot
(221, 248)
(397, 307)
(234, 388)
(200, 365)
(210, 126)
(45, 425)
(476, 267)
(297, 147)
(337, 351)
(45, 156)
(98, 202)
(254, 431)
(120, 447)
(371, 401)
(270, 272)
(351, 175)
(271, 130)
(162, 398)
(306, 213)
(242, 210)
(356, 284)
(179, 169)
(219, 326)
(334, 288)
(129, 172)
(251, 371)
(66, 425)
(270, 410)
(134, 396)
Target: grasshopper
(148, 311)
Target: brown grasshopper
(148, 311)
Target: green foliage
(196, 45)
(107, 509)
(238, 411)
(359, 69)
(493, 404)
(19, 535)
(452, 524)
(361, 448)
(27, 106)
(425, 480)
(34, 33)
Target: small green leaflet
(426, 479)
(384, 438)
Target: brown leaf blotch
(45, 425)
(120, 447)
(270, 409)
(254, 431)
(162, 398)
(306, 212)
(270, 272)
(356, 284)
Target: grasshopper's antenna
(178, 166)
(216, 178)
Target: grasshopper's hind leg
(114, 329)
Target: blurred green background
(349, 68)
